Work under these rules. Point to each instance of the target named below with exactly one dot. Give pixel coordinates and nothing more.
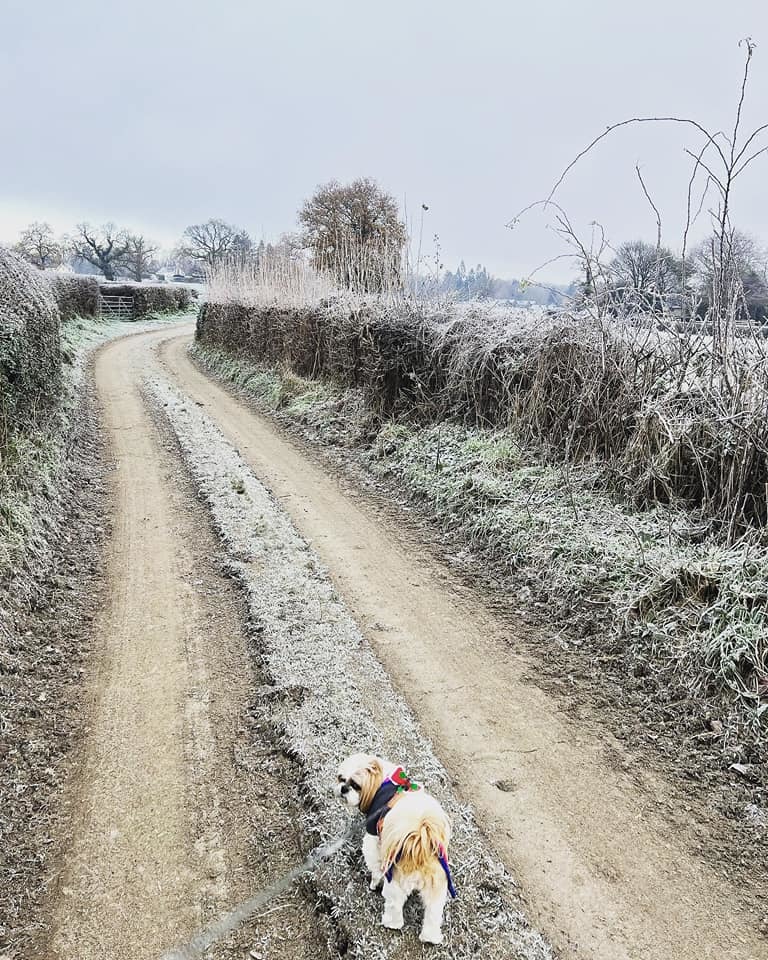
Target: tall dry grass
(270, 281)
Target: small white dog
(405, 842)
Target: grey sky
(156, 114)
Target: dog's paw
(392, 923)
(431, 936)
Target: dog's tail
(418, 847)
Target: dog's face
(358, 779)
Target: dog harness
(397, 783)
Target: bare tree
(645, 278)
(38, 245)
(139, 260)
(355, 231)
(211, 243)
(103, 247)
(749, 281)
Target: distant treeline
(478, 284)
(639, 279)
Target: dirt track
(158, 836)
(605, 874)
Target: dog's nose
(345, 790)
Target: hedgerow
(76, 296)
(30, 346)
(668, 421)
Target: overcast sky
(155, 114)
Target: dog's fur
(412, 833)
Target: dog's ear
(371, 777)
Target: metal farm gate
(117, 308)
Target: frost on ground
(331, 698)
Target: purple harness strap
(443, 858)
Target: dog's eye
(355, 785)
(340, 778)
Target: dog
(406, 839)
